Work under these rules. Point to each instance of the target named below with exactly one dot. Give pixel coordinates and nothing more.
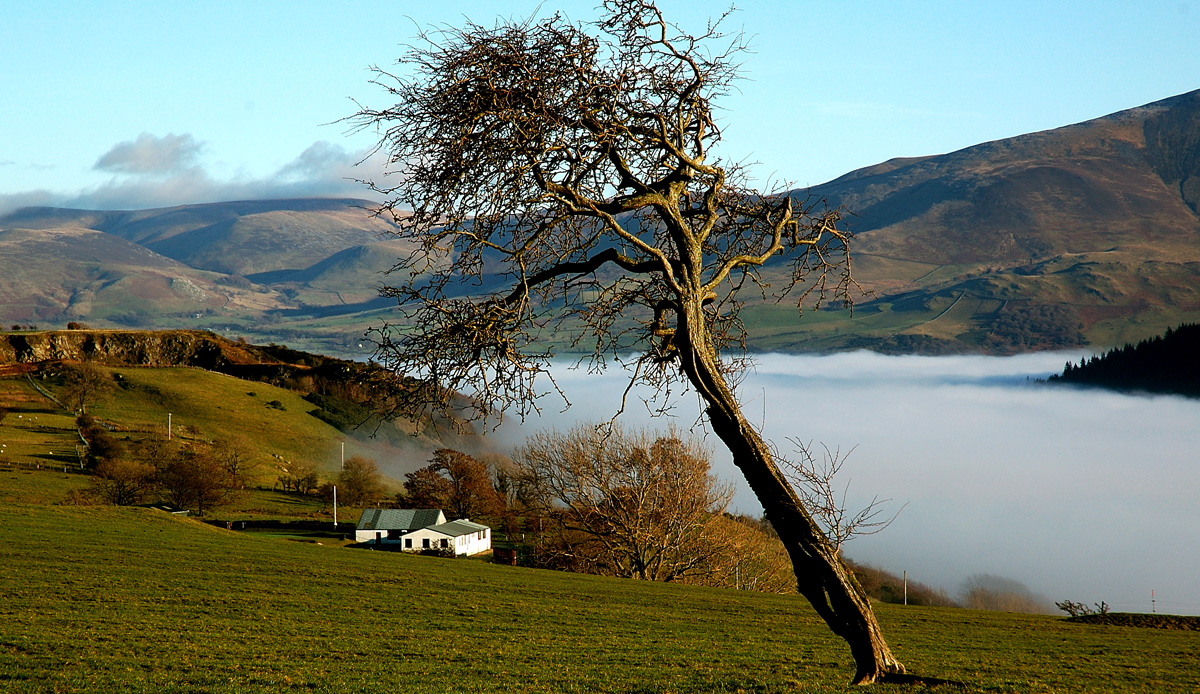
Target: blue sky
(129, 104)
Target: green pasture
(25, 485)
(261, 504)
(36, 432)
(273, 422)
(132, 600)
(216, 406)
(51, 486)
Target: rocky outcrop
(127, 348)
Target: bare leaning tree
(558, 179)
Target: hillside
(254, 268)
(152, 602)
(287, 404)
(1087, 234)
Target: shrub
(1078, 609)
(340, 413)
(1000, 594)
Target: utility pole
(906, 586)
(343, 455)
(168, 426)
(335, 507)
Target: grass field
(106, 599)
(273, 423)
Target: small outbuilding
(462, 536)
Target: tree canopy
(629, 504)
(568, 172)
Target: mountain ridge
(1086, 234)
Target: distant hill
(1088, 234)
(253, 268)
(1165, 364)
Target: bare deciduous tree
(815, 479)
(1001, 594)
(236, 455)
(630, 505)
(359, 481)
(123, 481)
(299, 476)
(192, 478)
(470, 493)
(425, 488)
(85, 384)
(561, 179)
(749, 557)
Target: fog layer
(1081, 494)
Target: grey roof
(399, 518)
(458, 527)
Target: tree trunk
(821, 575)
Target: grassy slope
(134, 600)
(36, 431)
(218, 406)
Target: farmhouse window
(425, 543)
(408, 543)
(445, 543)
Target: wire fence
(72, 467)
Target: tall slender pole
(343, 455)
(335, 507)
(905, 586)
(168, 426)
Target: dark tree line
(198, 477)
(1164, 364)
(1020, 327)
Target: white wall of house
(471, 543)
(474, 543)
(420, 538)
(370, 535)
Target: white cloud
(154, 171)
(325, 168)
(320, 160)
(151, 155)
(31, 198)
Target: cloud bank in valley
(162, 171)
(1081, 494)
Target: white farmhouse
(416, 530)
